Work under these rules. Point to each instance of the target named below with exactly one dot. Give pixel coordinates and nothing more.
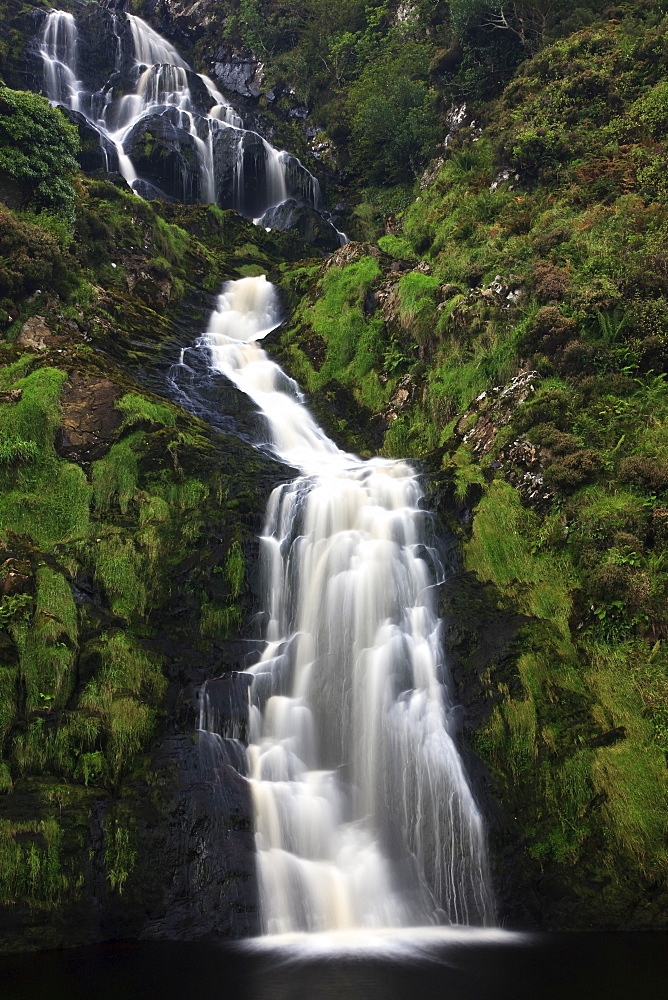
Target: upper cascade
(168, 130)
(364, 816)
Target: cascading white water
(364, 817)
(161, 84)
(58, 49)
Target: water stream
(364, 816)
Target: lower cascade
(363, 813)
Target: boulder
(35, 335)
(164, 154)
(90, 420)
(313, 228)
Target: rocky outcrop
(240, 72)
(304, 220)
(90, 421)
(97, 153)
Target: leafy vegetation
(38, 148)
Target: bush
(638, 470)
(551, 406)
(550, 437)
(651, 110)
(548, 331)
(550, 283)
(538, 148)
(38, 149)
(394, 127)
(575, 470)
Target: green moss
(501, 550)
(115, 476)
(130, 726)
(6, 783)
(219, 622)
(44, 497)
(631, 774)
(118, 566)
(396, 247)
(137, 409)
(48, 644)
(235, 569)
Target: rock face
(199, 876)
(240, 72)
(90, 422)
(35, 335)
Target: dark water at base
(466, 967)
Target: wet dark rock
(304, 220)
(97, 151)
(199, 880)
(164, 154)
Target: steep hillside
(517, 343)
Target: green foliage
(38, 147)
(14, 450)
(396, 247)
(353, 348)
(393, 125)
(48, 644)
(651, 110)
(417, 305)
(118, 566)
(138, 409)
(219, 622)
(42, 496)
(235, 569)
(499, 551)
(120, 856)
(31, 869)
(115, 476)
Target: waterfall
(58, 49)
(235, 167)
(364, 816)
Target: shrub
(575, 470)
(548, 330)
(651, 110)
(38, 149)
(550, 282)
(638, 470)
(537, 148)
(551, 437)
(550, 406)
(609, 582)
